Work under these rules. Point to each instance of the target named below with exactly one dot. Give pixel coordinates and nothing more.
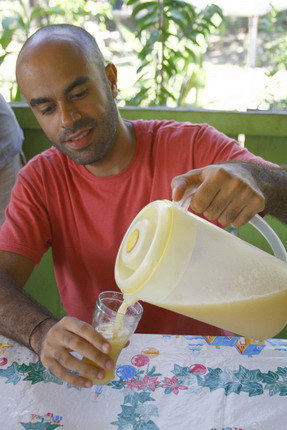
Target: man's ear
(112, 74)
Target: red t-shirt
(59, 203)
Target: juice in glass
(116, 320)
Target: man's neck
(122, 153)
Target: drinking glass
(116, 320)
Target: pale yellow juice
(128, 301)
(257, 318)
(118, 341)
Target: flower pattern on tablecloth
(138, 409)
(140, 382)
(48, 421)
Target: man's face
(71, 99)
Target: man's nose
(69, 114)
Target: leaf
(35, 372)
(150, 6)
(11, 373)
(7, 22)
(48, 377)
(245, 375)
(273, 388)
(128, 411)
(232, 387)
(139, 425)
(180, 24)
(130, 2)
(2, 58)
(213, 380)
(132, 398)
(143, 65)
(150, 425)
(147, 49)
(270, 377)
(37, 12)
(117, 385)
(283, 389)
(252, 388)
(24, 368)
(144, 396)
(151, 22)
(147, 411)
(6, 38)
(149, 17)
(282, 371)
(168, 390)
(180, 371)
(122, 423)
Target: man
(81, 195)
(11, 156)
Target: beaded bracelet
(34, 329)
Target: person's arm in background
(30, 324)
(233, 192)
(11, 155)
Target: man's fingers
(67, 375)
(71, 334)
(58, 341)
(180, 184)
(83, 331)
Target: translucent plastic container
(176, 260)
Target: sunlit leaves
(169, 32)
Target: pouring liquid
(128, 301)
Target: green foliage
(17, 24)
(173, 38)
(273, 27)
(19, 21)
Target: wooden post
(252, 40)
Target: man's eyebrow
(40, 100)
(79, 81)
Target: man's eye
(79, 94)
(47, 110)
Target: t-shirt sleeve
(27, 230)
(211, 147)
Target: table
(163, 382)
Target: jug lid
(143, 245)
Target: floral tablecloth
(163, 382)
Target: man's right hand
(55, 340)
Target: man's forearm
(273, 184)
(274, 187)
(19, 314)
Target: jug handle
(257, 222)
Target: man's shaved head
(68, 33)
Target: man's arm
(233, 192)
(273, 183)
(26, 321)
(14, 272)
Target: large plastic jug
(174, 259)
